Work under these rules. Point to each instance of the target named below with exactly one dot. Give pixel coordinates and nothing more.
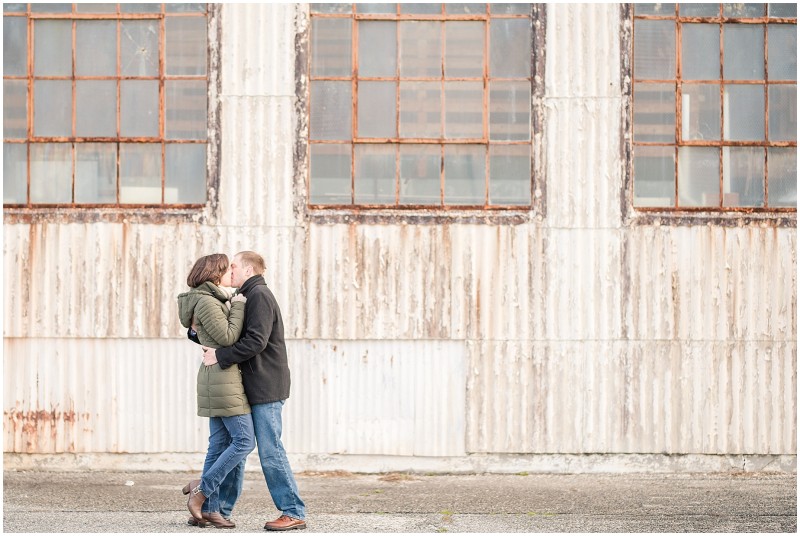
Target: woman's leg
(240, 430)
(218, 440)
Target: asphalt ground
(112, 502)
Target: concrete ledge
(474, 463)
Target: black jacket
(261, 351)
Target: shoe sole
(296, 527)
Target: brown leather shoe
(190, 486)
(194, 523)
(285, 523)
(216, 519)
(195, 504)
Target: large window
(715, 106)
(420, 105)
(104, 104)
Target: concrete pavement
(344, 502)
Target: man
(261, 351)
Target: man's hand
(209, 356)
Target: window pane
(744, 52)
(51, 173)
(744, 112)
(140, 8)
(465, 9)
(698, 176)
(654, 176)
(330, 174)
(744, 10)
(376, 8)
(186, 109)
(782, 53)
(186, 39)
(96, 8)
(52, 48)
(15, 46)
(52, 108)
(375, 174)
(422, 9)
(139, 48)
(377, 107)
(463, 109)
(699, 10)
(420, 183)
(782, 164)
(96, 173)
(464, 174)
(743, 176)
(510, 111)
(331, 8)
(185, 8)
(51, 8)
(510, 9)
(700, 49)
(377, 48)
(96, 108)
(15, 8)
(15, 173)
(139, 108)
(15, 109)
(95, 48)
(654, 112)
(185, 174)
(654, 50)
(464, 49)
(421, 49)
(331, 111)
(700, 112)
(510, 174)
(510, 48)
(783, 113)
(654, 9)
(331, 47)
(140, 173)
(420, 110)
(783, 10)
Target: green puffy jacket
(220, 392)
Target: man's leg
(231, 489)
(274, 462)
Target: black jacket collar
(251, 283)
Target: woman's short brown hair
(208, 268)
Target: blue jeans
(230, 440)
(274, 463)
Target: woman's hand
(239, 298)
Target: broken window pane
(52, 48)
(185, 173)
(15, 46)
(51, 173)
(330, 174)
(96, 48)
(743, 176)
(375, 171)
(377, 49)
(331, 47)
(96, 173)
(700, 112)
(96, 108)
(138, 108)
(510, 48)
(52, 108)
(15, 173)
(509, 175)
(139, 48)
(782, 164)
(698, 176)
(420, 183)
(140, 173)
(464, 174)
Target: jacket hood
(187, 301)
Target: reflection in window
(104, 127)
(409, 107)
(715, 120)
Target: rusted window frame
(719, 214)
(423, 213)
(150, 212)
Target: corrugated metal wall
(578, 333)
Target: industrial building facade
(504, 237)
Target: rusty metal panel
(637, 397)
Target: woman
(220, 393)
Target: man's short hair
(252, 259)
